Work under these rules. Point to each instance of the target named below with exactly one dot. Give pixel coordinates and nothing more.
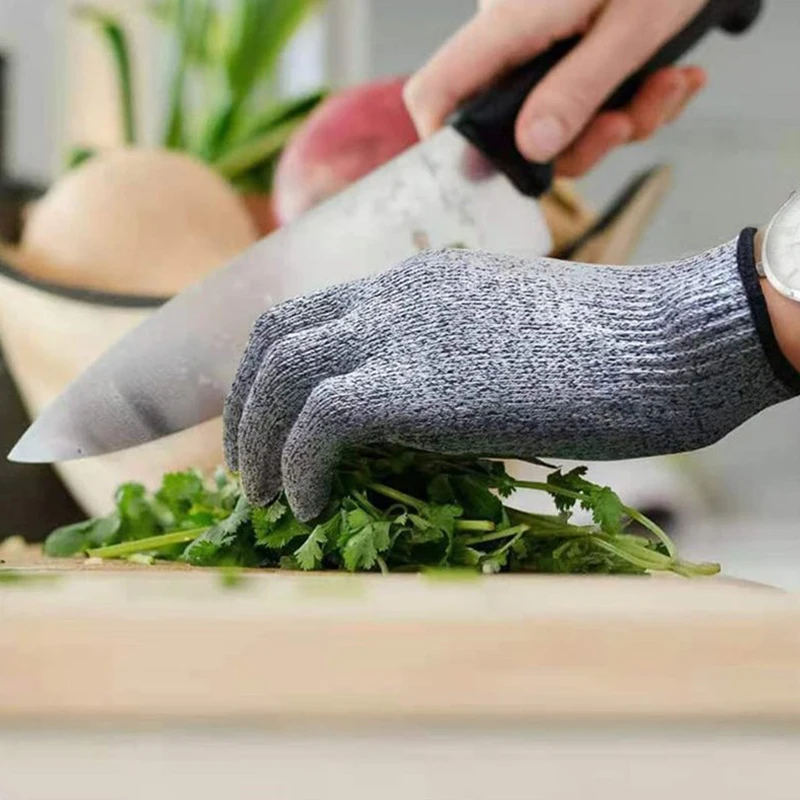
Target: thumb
(622, 40)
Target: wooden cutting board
(109, 640)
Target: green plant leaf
(364, 547)
(71, 540)
(259, 31)
(607, 510)
(572, 481)
(216, 132)
(175, 134)
(310, 554)
(279, 113)
(250, 155)
(138, 518)
(205, 550)
(275, 526)
(116, 37)
(200, 27)
(79, 155)
(180, 491)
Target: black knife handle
(488, 120)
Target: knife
(467, 185)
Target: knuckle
(576, 105)
(329, 400)
(414, 92)
(282, 357)
(262, 326)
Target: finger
(287, 318)
(291, 369)
(340, 412)
(604, 134)
(660, 97)
(620, 42)
(698, 80)
(659, 102)
(502, 36)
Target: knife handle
(488, 120)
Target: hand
(559, 121)
(473, 353)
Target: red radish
(350, 134)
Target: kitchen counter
(124, 682)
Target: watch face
(781, 256)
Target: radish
(347, 136)
(136, 221)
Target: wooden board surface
(82, 640)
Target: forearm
(784, 315)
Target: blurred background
(735, 157)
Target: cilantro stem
(546, 525)
(654, 529)
(689, 570)
(398, 496)
(418, 505)
(366, 505)
(632, 513)
(513, 533)
(521, 530)
(631, 557)
(549, 488)
(144, 545)
(474, 525)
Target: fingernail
(545, 139)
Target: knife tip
(25, 451)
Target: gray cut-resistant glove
(475, 353)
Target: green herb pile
(392, 509)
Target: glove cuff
(780, 365)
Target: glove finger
(291, 369)
(295, 315)
(358, 407)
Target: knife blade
(173, 371)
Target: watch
(780, 254)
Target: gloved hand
(476, 353)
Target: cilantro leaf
(180, 491)
(475, 498)
(275, 526)
(443, 517)
(265, 519)
(572, 481)
(207, 548)
(363, 548)
(607, 510)
(423, 530)
(71, 540)
(310, 554)
(138, 518)
(440, 490)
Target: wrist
(784, 315)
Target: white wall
(30, 33)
